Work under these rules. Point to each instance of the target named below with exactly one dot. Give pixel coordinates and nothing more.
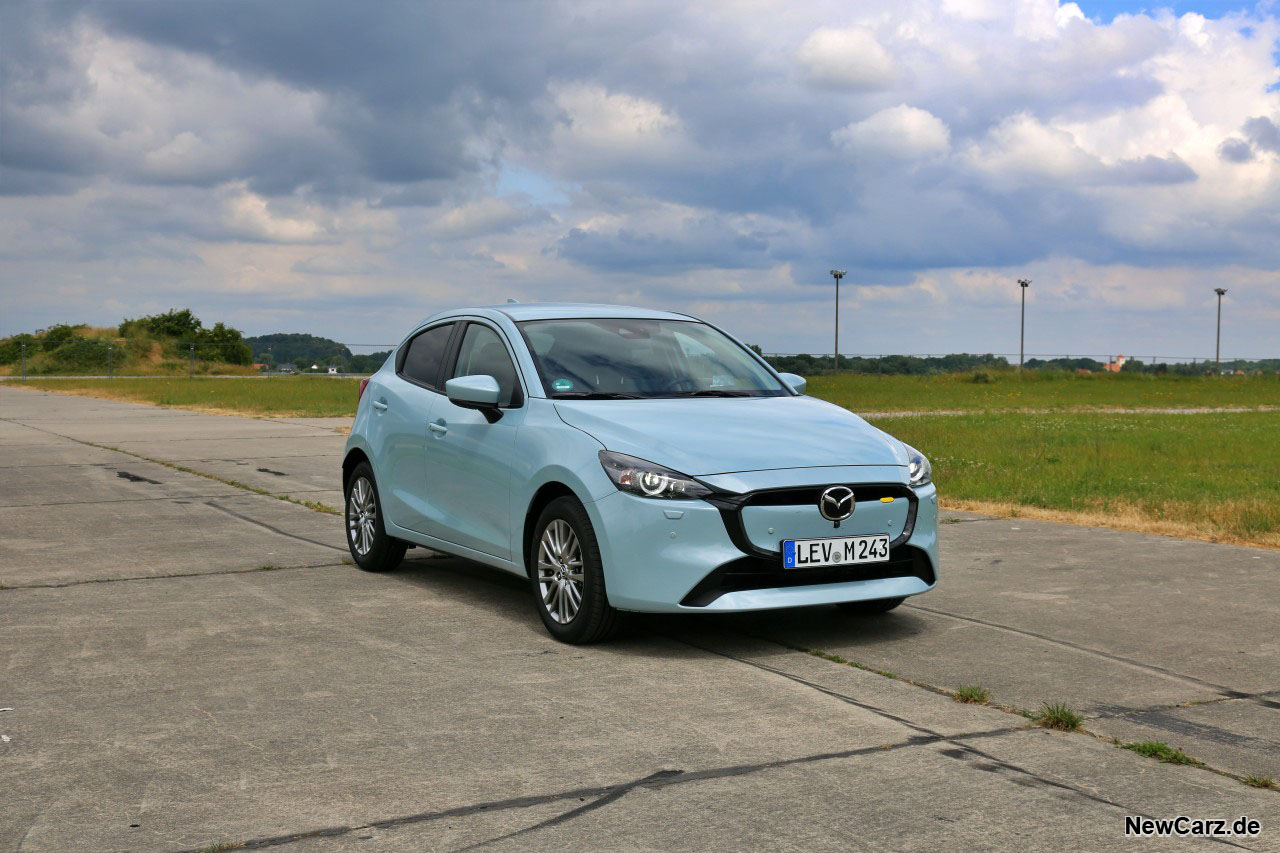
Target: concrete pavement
(192, 663)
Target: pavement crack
(598, 802)
(272, 528)
(1227, 692)
(170, 576)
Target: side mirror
(797, 383)
(475, 392)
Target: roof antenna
(513, 301)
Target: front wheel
(867, 608)
(568, 576)
(370, 546)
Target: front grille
(808, 495)
(763, 573)
(731, 506)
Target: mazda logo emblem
(836, 503)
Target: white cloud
(718, 159)
(598, 130)
(901, 132)
(249, 216)
(846, 59)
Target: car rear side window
(425, 354)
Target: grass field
(1044, 390)
(324, 397)
(282, 396)
(1212, 475)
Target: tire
(573, 606)
(371, 548)
(868, 608)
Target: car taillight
(363, 383)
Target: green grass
(972, 694)
(1043, 390)
(295, 396)
(1161, 750)
(1215, 476)
(1261, 782)
(1058, 716)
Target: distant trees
(810, 365)
(221, 343)
(303, 350)
(300, 349)
(156, 340)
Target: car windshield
(605, 358)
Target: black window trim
(449, 349)
(455, 347)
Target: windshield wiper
(714, 392)
(595, 395)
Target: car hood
(710, 435)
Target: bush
(77, 356)
(11, 348)
(58, 335)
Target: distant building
(333, 370)
(1116, 365)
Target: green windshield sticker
(561, 385)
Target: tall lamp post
(1217, 350)
(835, 358)
(1023, 283)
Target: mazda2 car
(624, 459)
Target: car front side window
(482, 353)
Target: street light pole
(1023, 283)
(835, 357)
(1217, 350)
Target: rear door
(403, 407)
(470, 462)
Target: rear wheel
(371, 548)
(568, 576)
(867, 608)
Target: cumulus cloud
(846, 59)
(304, 162)
(901, 131)
(1263, 133)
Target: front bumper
(698, 556)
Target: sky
(346, 169)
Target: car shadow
(507, 596)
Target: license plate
(838, 551)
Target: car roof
(564, 310)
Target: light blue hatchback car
(627, 459)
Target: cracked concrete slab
(1241, 734)
(428, 709)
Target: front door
(470, 461)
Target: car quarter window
(425, 355)
(483, 354)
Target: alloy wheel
(362, 513)
(560, 571)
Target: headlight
(918, 467)
(648, 480)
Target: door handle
(438, 428)
(379, 405)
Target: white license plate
(838, 551)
